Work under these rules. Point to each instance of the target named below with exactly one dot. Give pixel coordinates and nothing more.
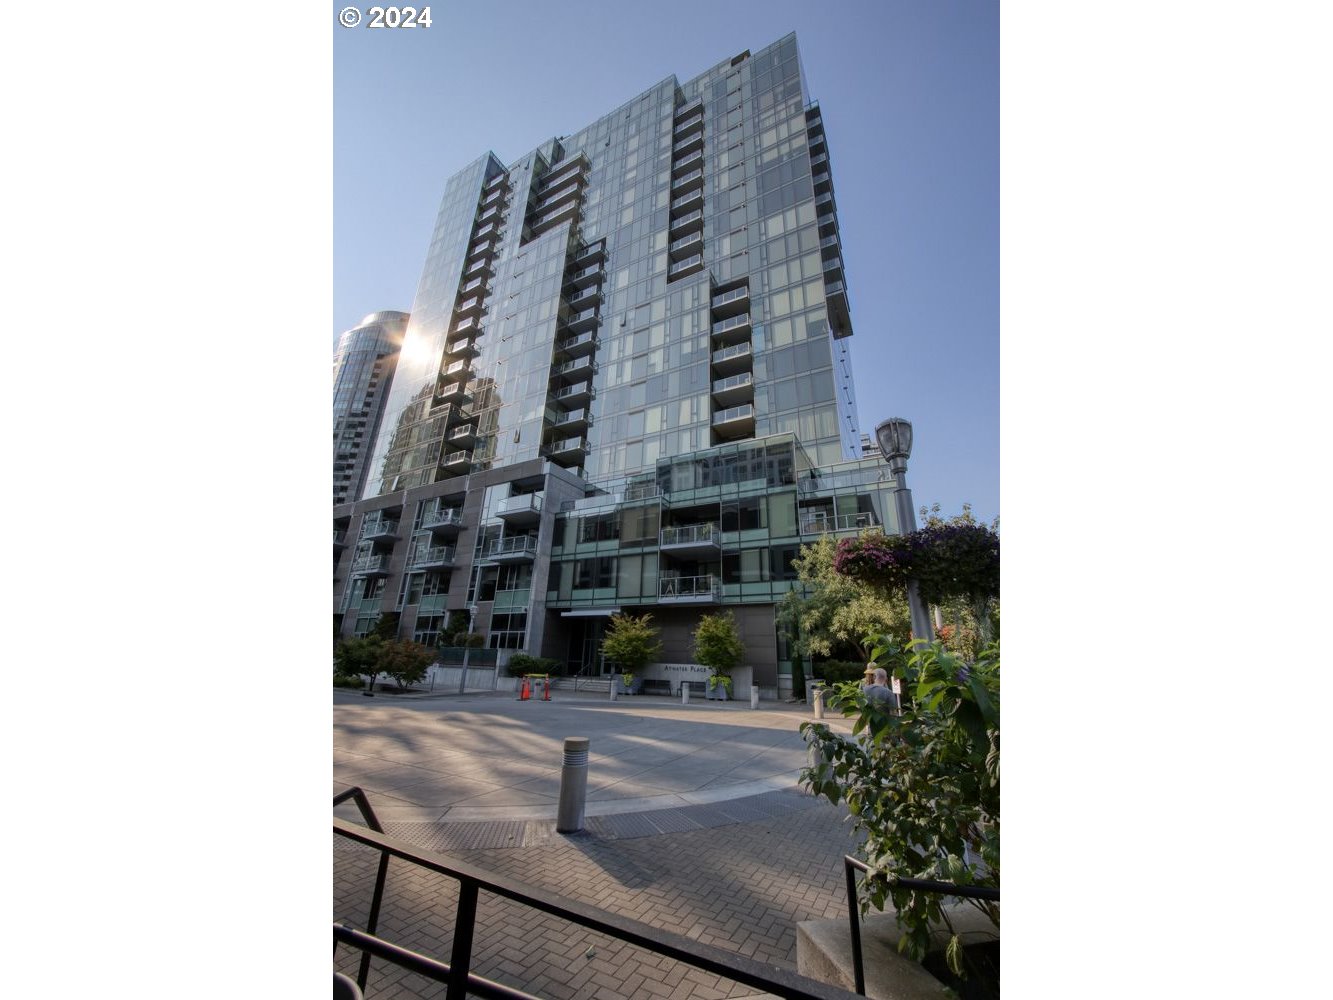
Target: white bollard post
(612, 689)
(684, 692)
(754, 695)
(819, 702)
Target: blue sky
(910, 100)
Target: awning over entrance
(590, 613)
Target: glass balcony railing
(442, 517)
(688, 219)
(735, 295)
(373, 529)
(433, 555)
(523, 504)
(689, 108)
(339, 537)
(815, 524)
(707, 588)
(689, 262)
(686, 241)
(743, 412)
(521, 545)
(735, 323)
(691, 534)
(732, 353)
(740, 381)
(682, 182)
(686, 199)
(686, 161)
(371, 564)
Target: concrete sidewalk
(490, 758)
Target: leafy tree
(716, 643)
(406, 662)
(631, 641)
(832, 609)
(718, 647)
(457, 623)
(357, 658)
(924, 786)
(386, 626)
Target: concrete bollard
(573, 786)
(754, 695)
(684, 693)
(613, 689)
(819, 702)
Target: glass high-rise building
(363, 367)
(626, 382)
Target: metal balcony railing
(735, 323)
(735, 295)
(379, 527)
(685, 241)
(370, 564)
(442, 517)
(734, 413)
(736, 351)
(733, 382)
(685, 220)
(518, 545)
(686, 199)
(689, 262)
(433, 555)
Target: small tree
(386, 627)
(718, 647)
(631, 641)
(358, 658)
(406, 662)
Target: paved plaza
(695, 825)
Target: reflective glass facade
(627, 375)
(363, 368)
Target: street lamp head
(895, 438)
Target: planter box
(619, 684)
(717, 693)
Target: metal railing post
(465, 921)
(854, 919)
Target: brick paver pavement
(740, 887)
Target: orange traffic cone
(524, 693)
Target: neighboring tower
(363, 367)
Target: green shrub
(344, 681)
(522, 663)
(839, 671)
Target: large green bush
(924, 786)
(522, 663)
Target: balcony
(689, 108)
(689, 143)
(577, 345)
(695, 540)
(487, 232)
(571, 421)
(475, 285)
(825, 203)
(686, 245)
(457, 462)
(691, 220)
(705, 589)
(490, 213)
(685, 163)
(525, 509)
(462, 347)
(694, 199)
(456, 369)
(462, 436)
(478, 267)
(588, 275)
(818, 159)
(693, 124)
(694, 179)
(431, 557)
(839, 311)
(442, 519)
(563, 171)
(828, 223)
(823, 182)
(379, 530)
(563, 196)
(371, 566)
(731, 303)
(575, 395)
(736, 422)
(734, 389)
(733, 330)
(580, 368)
(339, 539)
(520, 548)
(483, 241)
(567, 452)
(830, 243)
(468, 324)
(495, 182)
(685, 267)
(554, 218)
(453, 392)
(494, 198)
(833, 269)
(581, 321)
(596, 252)
(474, 306)
(818, 522)
(584, 298)
(730, 360)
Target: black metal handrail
(851, 865)
(422, 965)
(471, 879)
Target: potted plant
(717, 646)
(631, 641)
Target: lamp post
(895, 444)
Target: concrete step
(592, 685)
